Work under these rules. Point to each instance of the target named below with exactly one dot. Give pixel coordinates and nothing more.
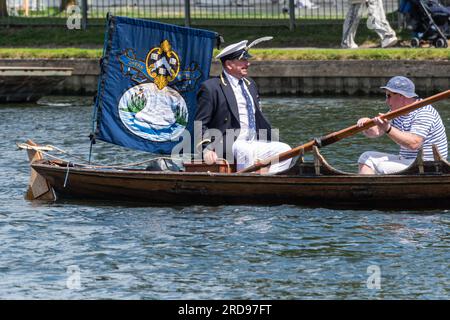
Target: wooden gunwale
(43, 166)
(422, 185)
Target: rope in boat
(43, 149)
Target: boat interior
(318, 167)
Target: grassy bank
(259, 54)
(319, 43)
(47, 53)
(308, 35)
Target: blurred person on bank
(376, 21)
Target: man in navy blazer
(233, 125)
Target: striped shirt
(426, 123)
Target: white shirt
(242, 106)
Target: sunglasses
(389, 95)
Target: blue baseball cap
(401, 85)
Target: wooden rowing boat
(421, 185)
(143, 102)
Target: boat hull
(181, 188)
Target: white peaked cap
(233, 49)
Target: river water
(103, 250)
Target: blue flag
(150, 74)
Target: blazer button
(225, 120)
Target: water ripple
(128, 251)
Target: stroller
(428, 20)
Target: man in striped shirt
(420, 128)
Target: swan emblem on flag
(153, 114)
(152, 109)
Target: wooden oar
(344, 133)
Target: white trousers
(384, 163)
(247, 153)
(376, 21)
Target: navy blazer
(217, 108)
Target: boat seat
(221, 166)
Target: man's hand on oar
(381, 126)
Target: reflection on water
(131, 251)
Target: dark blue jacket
(217, 108)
